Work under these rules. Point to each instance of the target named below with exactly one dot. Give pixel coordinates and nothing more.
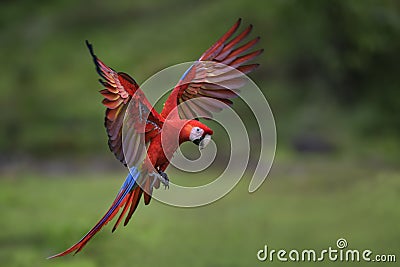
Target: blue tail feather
(126, 188)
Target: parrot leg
(162, 176)
(166, 179)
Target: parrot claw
(162, 176)
(164, 180)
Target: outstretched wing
(215, 78)
(118, 92)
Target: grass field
(302, 205)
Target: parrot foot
(165, 179)
(162, 176)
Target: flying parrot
(144, 151)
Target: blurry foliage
(343, 53)
(329, 67)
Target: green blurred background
(329, 72)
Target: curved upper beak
(204, 141)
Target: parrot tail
(129, 195)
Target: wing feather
(216, 76)
(118, 92)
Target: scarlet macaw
(147, 169)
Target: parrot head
(196, 132)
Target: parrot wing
(215, 78)
(120, 88)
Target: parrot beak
(203, 142)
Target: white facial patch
(196, 133)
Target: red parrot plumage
(142, 149)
